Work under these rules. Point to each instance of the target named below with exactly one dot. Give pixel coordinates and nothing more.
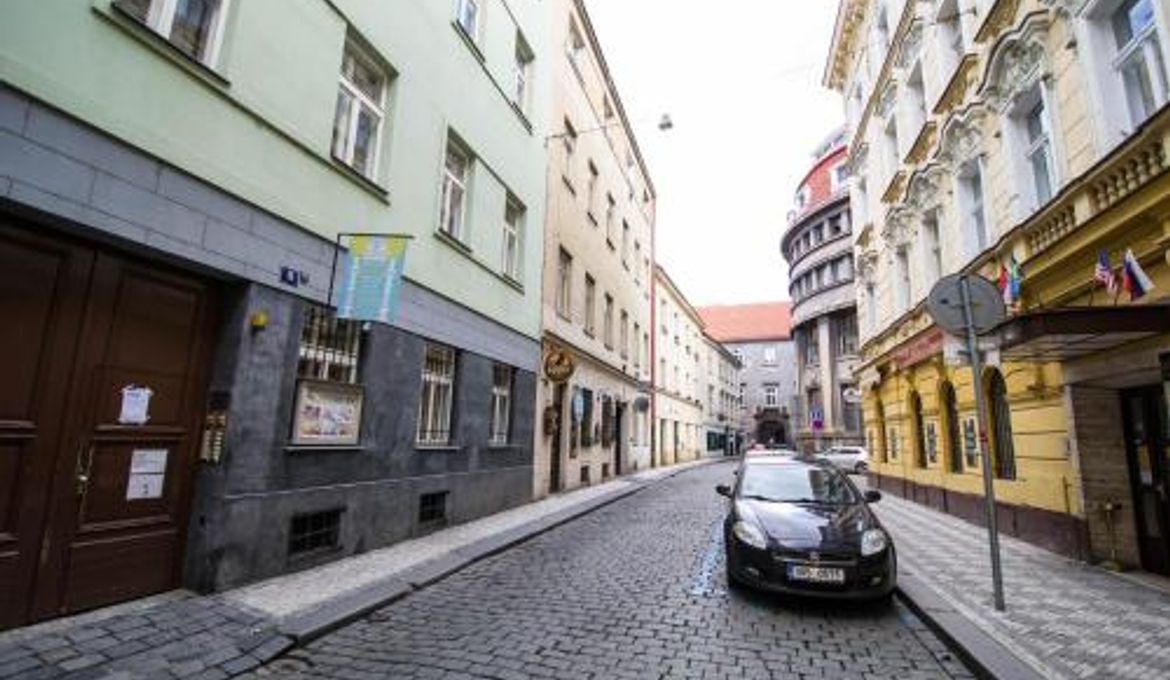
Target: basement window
(314, 532)
(432, 509)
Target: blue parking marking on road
(707, 580)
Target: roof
(745, 323)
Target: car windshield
(796, 484)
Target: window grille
(314, 531)
(438, 386)
(432, 509)
(330, 347)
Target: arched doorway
(1003, 451)
(950, 411)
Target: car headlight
(749, 535)
(873, 542)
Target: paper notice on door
(142, 487)
(135, 405)
(148, 468)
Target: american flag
(1104, 272)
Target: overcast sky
(741, 79)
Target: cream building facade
(599, 235)
(678, 352)
(719, 377)
(985, 136)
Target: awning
(1071, 332)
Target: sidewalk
(1064, 619)
(182, 635)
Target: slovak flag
(1133, 278)
(1104, 272)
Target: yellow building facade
(1025, 141)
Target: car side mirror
(723, 490)
(873, 496)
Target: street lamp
(665, 124)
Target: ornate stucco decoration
(1001, 16)
(900, 227)
(886, 102)
(910, 46)
(1069, 8)
(961, 82)
(926, 189)
(857, 160)
(848, 37)
(866, 265)
(962, 136)
(1016, 62)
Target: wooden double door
(1147, 434)
(103, 363)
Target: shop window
(920, 453)
(587, 418)
(437, 398)
(313, 532)
(1003, 450)
(950, 410)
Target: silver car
(854, 459)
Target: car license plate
(799, 572)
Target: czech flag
(1133, 278)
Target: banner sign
(371, 276)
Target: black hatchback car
(800, 526)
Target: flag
(1009, 281)
(1133, 278)
(1104, 272)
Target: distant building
(819, 249)
(719, 381)
(760, 338)
(679, 348)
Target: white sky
(741, 79)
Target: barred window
(438, 387)
(330, 347)
(501, 403)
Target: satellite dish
(945, 304)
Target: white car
(854, 459)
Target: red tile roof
(744, 323)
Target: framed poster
(327, 413)
(970, 441)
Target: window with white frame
(1138, 58)
(610, 217)
(637, 346)
(1037, 139)
(916, 102)
(838, 176)
(591, 192)
(626, 243)
(770, 355)
(931, 247)
(456, 168)
(590, 305)
(970, 200)
(564, 284)
(607, 322)
(902, 278)
(624, 337)
(771, 395)
(467, 16)
(523, 72)
(513, 234)
(860, 203)
(357, 122)
(891, 151)
(871, 308)
(194, 27)
(950, 26)
(501, 403)
(437, 397)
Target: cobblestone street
(635, 590)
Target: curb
(979, 651)
(302, 629)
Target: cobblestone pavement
(1066, 618)
(635, 590)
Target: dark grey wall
(240, 522)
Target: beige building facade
(719, 377)
(599, 231)
(678, 353)
(1023, 141)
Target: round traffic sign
(945, 304)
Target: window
(916, 91)
(513, 229)
(1138, 59)
(330, 348)
(610, 213)
(587, 418)
(919, 429)
(637, 346)
(974, 222)
(590, 305)
(883, 29)
(607, 107)
(838, 176)
(846, 332)
(569, 136)
(818, 234)
(880, 447)
(564, 283)
(902, 280)
(438, 386)
(451, 213)
(812, 349)
(950, 410)
(194, 27)
(432, 509)
(771, 395)
(646, 348)
(626, 244)
(624, 344)
(770, 355)
(523, 74)
(953, 41)
(576, 47)
(1038, 149)
(861, 200)
(314, 531)
(850, 409)
(1002, 448)
(931, 247)
(501, 403)
(637, 259)
(467, 17)
(357, 122)
(871, 308)
(892, 152)
(608, 322)
(591, 193)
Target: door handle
(82, 467)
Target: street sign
(816, 419)
(851, 395)
(945, 304)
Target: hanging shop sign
(371, 276)
(559, 365)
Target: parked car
(800, 526)
(853, 459)
(770, 449)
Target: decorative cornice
(963, 80)
(850, 18)
(923, 143)
(1001, 15)
(1016, 61)
(1069, 8)
(895, 187)
(961, 138)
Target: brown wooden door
(1147, 448)
(101, 499)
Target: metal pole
(981, 410)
